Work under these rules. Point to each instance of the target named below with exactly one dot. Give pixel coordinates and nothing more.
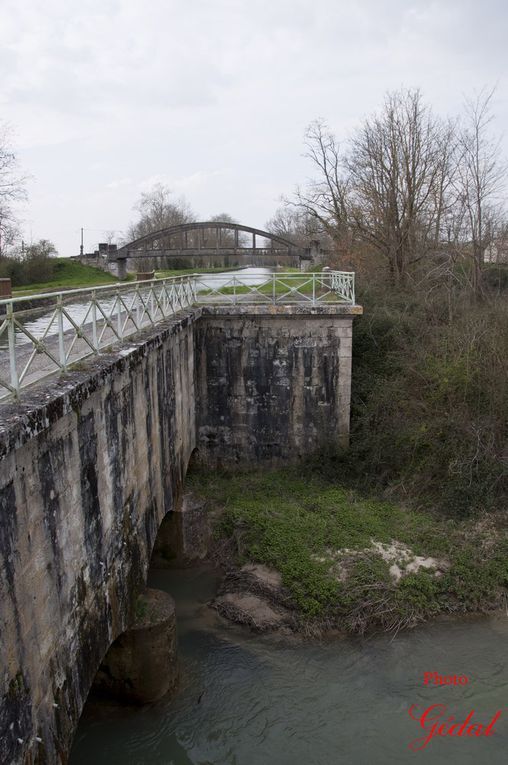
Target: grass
(69, 274)
(291, 519)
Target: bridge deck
(174, 252)
(57, 331)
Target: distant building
(497, 250)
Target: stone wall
(89, 468)
(273, 384)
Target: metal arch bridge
(210, 238)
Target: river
(246, 699)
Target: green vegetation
(296, 520)
(430, 400)
(65, 274)
(140, 608)
(429, 449)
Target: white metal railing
(276, 288)
(46, 333)
(343, 283)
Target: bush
(36, 265)
(495, 277)
(430, 400)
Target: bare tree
(295, 224)
(326, 198)
(480, 179)
(157, 211)
(227, 238)
(109, 235)
(400, 169)
(12, 189)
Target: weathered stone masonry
(272, 386)
(90, 465)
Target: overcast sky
(212, 97)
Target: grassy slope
(289, 519)
(69, 274)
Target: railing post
(61, 345)
(95, 341)
(138, 306)
(119, 315)
(274, 293)
(12, 349)
(313, 289)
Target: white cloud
(213, 98)
(119, 183)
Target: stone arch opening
(141, 665)
(184, 535)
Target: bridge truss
(211, 238)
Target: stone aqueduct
(91, 464)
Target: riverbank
(305, 554)
(67, 274)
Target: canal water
(246, 699)
(79, 309)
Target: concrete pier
(141, 666)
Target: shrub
(430, 400)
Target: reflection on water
(250, 700)
(79, 310)
(252, 276)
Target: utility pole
(81, 245)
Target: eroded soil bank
(303, 554)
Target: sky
(212, 98)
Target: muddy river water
(249, 700)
